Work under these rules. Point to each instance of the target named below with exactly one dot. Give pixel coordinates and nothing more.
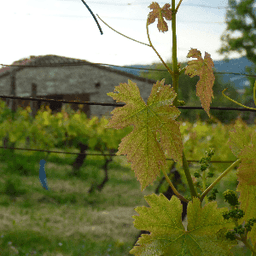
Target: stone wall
(85, 82)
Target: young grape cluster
(212, 196)
(232, 198)
(205, 163)
(240, 230)
(235, 214)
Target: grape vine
(156, 135)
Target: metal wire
(92, 154)
(76, 63)
(84, 63)
(57, 152)
(63, 101)
(79, 63)
(89, 9)
(115, 104)
(105, 104)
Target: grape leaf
(246, 171)
(202, 68)
(247, 199)
(243, 145)
(239, 138)
(204, 235)
(143, 150)
(160, 14)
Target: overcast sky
(66, 28)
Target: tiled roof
(54, 60)
(46, 60)
(4, 70)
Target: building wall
(87, 82)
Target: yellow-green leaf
(204, 235)
(46, 117)
(246, 171)
(141, 146)
(204, 69)
(248, 205)
(239, 138)
(243, 146)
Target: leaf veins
(168, 236)
(243, 145)
(202, 68)
(160, 14)
(141, 146)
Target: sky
(66, 28)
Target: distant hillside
(236, 66)
(134, 69)
(233, 65)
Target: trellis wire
(104, 104)
(84, 63)
(92, 154)
(108, 104)
(115, 104)
(89, 9)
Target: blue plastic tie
(42, 175)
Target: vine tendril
(238, 102)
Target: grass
(66, 220)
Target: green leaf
(239, 138)
(143, 150)
(247, 169)
(204, 69)
(204, 235)
(243, 145)
(46, 117)
(248, 203)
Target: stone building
(61, 78)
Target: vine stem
(175, 78)
(254, 89)
(151, 45)
(174, 189)
(219, 178)
(204, 185)
(178, 5)
(176, 73)
(188, 176)
(243, 239)
(247, 244)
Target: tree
(240, 18)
